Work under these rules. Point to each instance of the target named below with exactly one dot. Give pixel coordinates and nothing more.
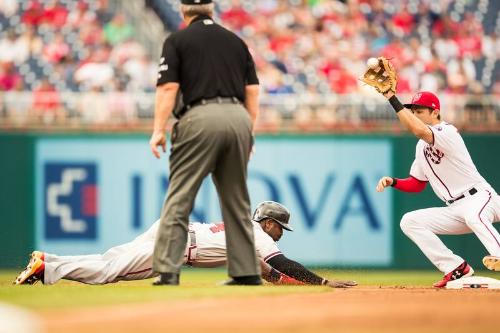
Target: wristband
(396, 104)
(394, 182)
(324, 282)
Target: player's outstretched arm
(274, 276)
(409, 120)
(298, 272)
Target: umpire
(215, 73)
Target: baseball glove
(383, 78)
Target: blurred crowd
(52, 48)
(322, 45)
(55, 46)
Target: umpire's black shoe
(167, 279)
(251, 280)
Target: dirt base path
(354, 310)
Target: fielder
(441, 159)
(206, 247)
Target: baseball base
(474, 282)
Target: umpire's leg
(230, 176)
(193, 155)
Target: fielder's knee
(408, 222)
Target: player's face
(426, 115)
(273, 229)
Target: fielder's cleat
(492, 263)
(33, 272)
(38, 254)
(464, 270)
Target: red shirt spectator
(342, 82)
(403, 21)
(237, 18)
(281, 41)
(469, 44)
(57, 50)
(46, 98)
(55, 14)
(33, 14)
(9, 78)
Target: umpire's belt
(192, 249)
(205, 101)
(470, 192)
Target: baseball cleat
(38, 254)
(464, 270)
(33, 272)
(492, 263)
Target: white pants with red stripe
(130, 261)
(474, 213)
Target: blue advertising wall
(94, 193)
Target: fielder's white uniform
(448, 167)
(206, 247)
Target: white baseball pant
(474, 213)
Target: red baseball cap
(426, 99)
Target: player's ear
(437, 112)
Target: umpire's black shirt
(207, 61)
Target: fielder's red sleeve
(410, 184)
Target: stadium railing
(309, 113)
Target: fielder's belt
(470, 192)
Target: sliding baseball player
(206, 247)
(441, 159)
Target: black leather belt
(472, 191)
(205, 101)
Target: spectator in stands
(93, 107)
(33, 14)
(91, 34)
(118, 30)
(143, 73)
(57, 50)
(121, 105)
(82, 16)
(31, 44)
(9, 78)
(47, 106)
(54, 14)
(12, 48)
(8, 8)
(96, 71)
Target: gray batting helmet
(275, 211)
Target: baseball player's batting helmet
(275, 211)
(425, 99)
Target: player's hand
(341, 284)
(383, 183)
(158, 139)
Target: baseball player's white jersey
(472, 204)
(206, 247)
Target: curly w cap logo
(70, 200)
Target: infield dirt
(361, 309)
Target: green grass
(195, 284)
